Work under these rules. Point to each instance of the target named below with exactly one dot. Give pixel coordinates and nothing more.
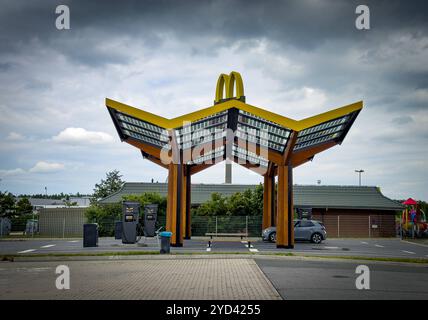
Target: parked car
(310, 230)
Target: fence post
(32, 226)
(338, 226)
(370, 231)
(246, 225)
(63, 228)
(216, 226)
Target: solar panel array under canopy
(143, 131)
(264, 132)
(202, 131)
(208, 156)
(324, 132)
(209, 130)
(245, 155)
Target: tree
(7, 204)
(112, 183)
(249, 202)
(216, 206)
(23, 206)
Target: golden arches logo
(229, 82)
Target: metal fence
(250, 225)
(52, 222)
(201, 225)
(68, 222)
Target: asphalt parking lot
(381, 247)
(335, 280)
(208, 277)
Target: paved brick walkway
(138, 279)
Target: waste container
(165, 237)
(90, 235)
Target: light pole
(359, 175)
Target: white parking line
(254, 250)
(363, 242)
(409, 252)
(332, 248)
(418, 244)
(26, 251)
(72, 241)
(48, 246)
(379, 246)
(208, 249)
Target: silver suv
(311, 230)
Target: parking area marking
(254, 250)
(409, 252)
(208, 249)
(363, 242)
(417, 244)
(332, 248)
(48, 246)
(379, 246)
(26, 251)
(73, 241)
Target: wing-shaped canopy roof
(231, 128)
(254, 128)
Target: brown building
(349, 211)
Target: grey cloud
(138, 51)
(303, 24)
(402, 120)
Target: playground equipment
(413, 220)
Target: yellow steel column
(285, 214)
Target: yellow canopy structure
(265, 142)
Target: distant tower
(228, 173)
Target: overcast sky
(297, 58)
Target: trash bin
(165, 241)
(90, 235)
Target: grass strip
(138, 253)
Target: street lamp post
(359, 176)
